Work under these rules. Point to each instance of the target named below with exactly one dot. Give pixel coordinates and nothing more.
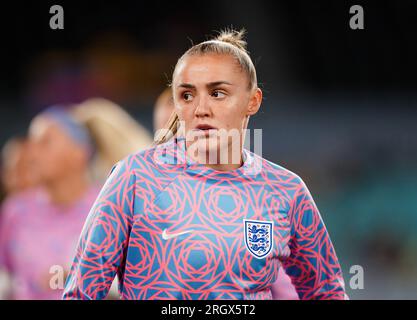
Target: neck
(68, 189)
(225, 167)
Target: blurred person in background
(16, 171)
(164, 110)
(17, 175)
(41, 225)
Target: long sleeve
(101, 247)
(8, 221)
(5, 268)
(3, 241)
(312, 265)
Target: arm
(5, 266)
(313, 265)
(4, 232)
(100, 250)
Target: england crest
(259, 238)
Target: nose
(203, 108)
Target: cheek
(55, 156)
(40, 154)
(53, 152)
(231, 114)
(59, 161)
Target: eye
(187, 96)
(218, 94)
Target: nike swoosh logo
(167, 236)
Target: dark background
(298, 45)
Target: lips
(205, 127)
(204, 130)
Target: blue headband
(77, 132)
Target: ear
(255, 101)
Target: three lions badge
(259, 238)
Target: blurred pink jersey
(38, 240)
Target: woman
(163, 109)
(16, 177)
(17, 174)
(41, 225)
(178, 221)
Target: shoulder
(281, 181)
(276, 174)
(20, 204)
(291, 188)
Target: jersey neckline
(251, 163)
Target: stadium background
(339, 108)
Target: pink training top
(38, 241)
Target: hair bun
(233, 37)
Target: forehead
(42, 126)
(207, 68)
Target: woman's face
(18, 173)
(211, 93)
(55, 153)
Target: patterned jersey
(171, 228)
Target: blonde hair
(116, 134)
(228, 42)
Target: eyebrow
(208, 85)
